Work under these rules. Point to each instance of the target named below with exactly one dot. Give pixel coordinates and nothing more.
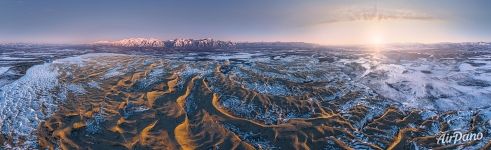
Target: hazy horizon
(332, 22)
(341, 44)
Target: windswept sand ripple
(113, 101)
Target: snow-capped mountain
(190, 44)
(135, 42)
(201, 43)
(171, 44)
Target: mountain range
(174, 44)
(207, 43)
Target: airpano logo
(456, 137)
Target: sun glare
(376, 40)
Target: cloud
(373, 14)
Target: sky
(328, 22)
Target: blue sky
(325, 22)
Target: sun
(377, 40)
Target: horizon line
(239, 41)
